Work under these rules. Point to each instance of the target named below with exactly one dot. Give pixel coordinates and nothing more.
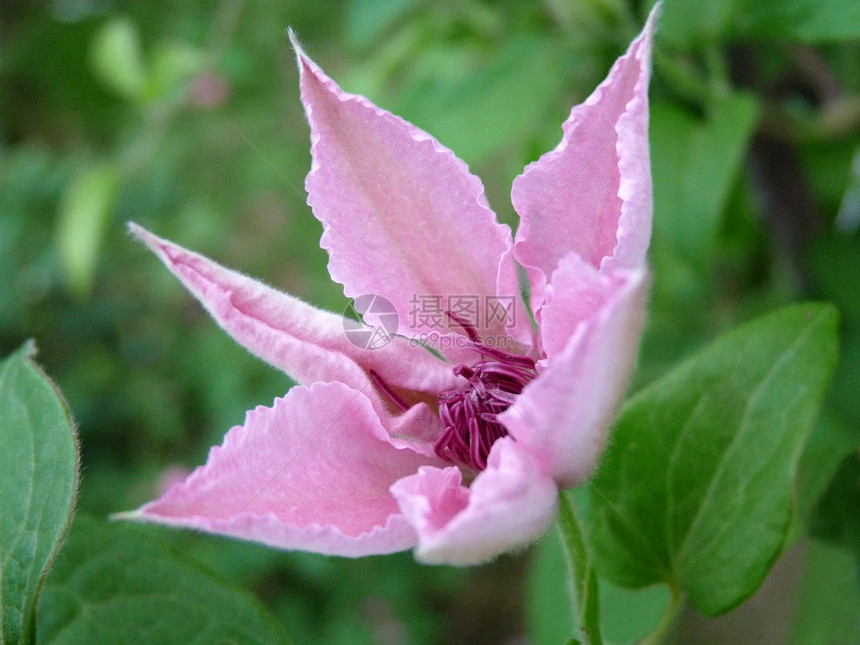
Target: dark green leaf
(696, 487)
(38, 481)
(115, 583)
(826, 607)
(806, 20)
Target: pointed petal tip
(297, 46)
(127, 516)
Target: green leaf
(172, 65)
(629, 615)
(581, 568)
(117, 60)
(806, 20)
(695, 164)
(38, 482)
(689, 23)
(117, 584)
(837, 517)
(684, 23)
(696, 487)
(85, 209)
(826, 611)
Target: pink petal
(509, 504)
(564, 415)
(312, 472)
(576, 293)
(307, 343)
(403, 217)
(592, 194)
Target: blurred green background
(185, 117)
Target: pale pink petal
(307, 343)
(509, 504)
(312, 472)
(592, 194)
(576, 293)
(402, 215)
(564, 415)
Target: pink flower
(461, 457)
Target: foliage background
(185, 117)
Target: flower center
(469, 412)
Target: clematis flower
(459, 452)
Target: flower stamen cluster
(469, 413)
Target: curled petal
(564, 415)
(312, 472)
(509, 504)
(576, 293)
(592, 193)
(402, 215)
(305, 342)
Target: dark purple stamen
(386, 389)
(469, 413)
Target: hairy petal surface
(305, 342)
(564, 415)
(509, 504)
(312, 472)
(592, 193)
(402, 215)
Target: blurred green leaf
(691, 23)
(696, 487)
(685, 23)
(695, 163)
(825, 612)
(84, 212)
(837, 517)
(806, 20)
(38, 482)
(117, 59)
(502, 101)
(172, 64)
(367, 20)
(832, 438)
(117, 584)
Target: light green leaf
(629, 615)
(696, 488)
(581, 569)
(84, 212)
(695, 163)
(38, 482)
(117, 59)
(172, 65)
(117, 584)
